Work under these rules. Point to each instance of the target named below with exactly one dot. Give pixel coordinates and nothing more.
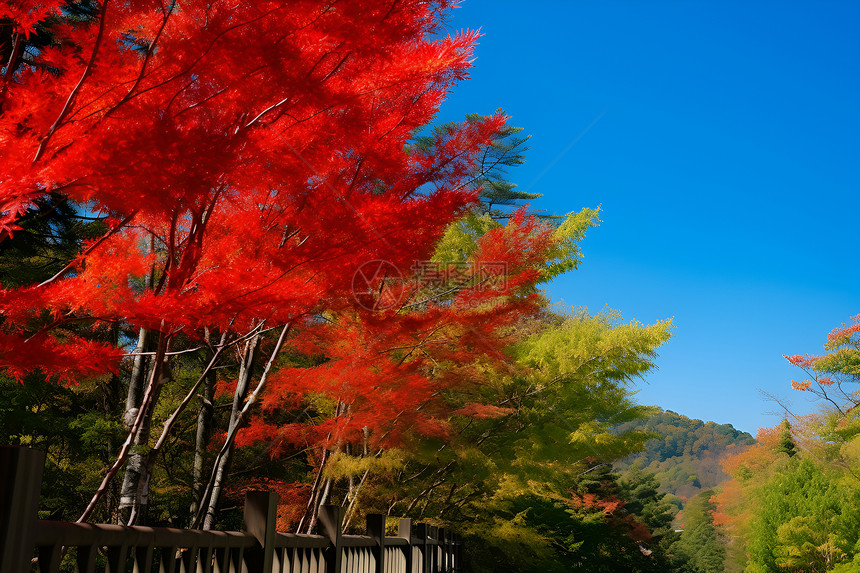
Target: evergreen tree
(499, 196)
(786, 441)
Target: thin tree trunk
(349, 510)
(315, 492)
(246, 370)
(204, 426)
(138, 471)
(311, 510)
(217, 476)
(317, 502)
(132, 409)
(354, 491)
(323, 499)
(132, 433)
(134, 396)
(351, 480)
(135, 383)
(152, 454)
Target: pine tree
(786, 443)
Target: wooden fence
(25, 540)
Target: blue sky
(724, 153)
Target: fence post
(404, 530)
(453, 558)
(442, 539)
(331, 520)
(20, 486)
(434, 548)
(376, 528)
(421, 533)
(261, 512)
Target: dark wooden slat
(49, 558)
(20, 486)
(87, 558)
(331, 522)
(204, 560)
(116, 557)
(143, 559)
(167, 560)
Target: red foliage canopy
(249, 155)
(388, 371)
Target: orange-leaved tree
(832, 374)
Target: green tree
(806, 519)
(786, 441)
(498, 194)
(643, 498)
(832, 380)
(700, 549)
(77, 426)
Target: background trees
(684, 454)
(526, 469)
(793, 500)
(699, 548)
(790, 512)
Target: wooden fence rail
(24, 539)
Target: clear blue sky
(724, 153)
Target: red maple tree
(247, 159)
(244, 156)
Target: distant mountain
(686, 457)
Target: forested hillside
(685, 456)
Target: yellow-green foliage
(518, 540)
(578, 370)
(507, 472)
(461, 239)
(341, 465)
(845, 360)
(565, 255)
(594, 347)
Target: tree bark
(134, 496)
(350, 510)
(135, 382)
(204, 427)
(240, 419)
(132, 408)
(309, 518)
(148, 399)
(246, 370)
(315, 492)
